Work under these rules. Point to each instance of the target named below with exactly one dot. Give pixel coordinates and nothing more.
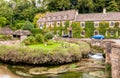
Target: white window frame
(81, 23)
(82, 34)
(96, 24)
(58, 23)
(112, 34)
(111, 22)
(96, 31)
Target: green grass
(45, 47)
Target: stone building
(72, 15)
(21, 34)
(62, 16)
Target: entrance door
(70, 33)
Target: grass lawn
(48, 46)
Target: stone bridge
(112, 50)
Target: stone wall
(115, 61)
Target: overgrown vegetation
(70, 52)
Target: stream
(87, 68)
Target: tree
(3, 21)
(112, 6)
(5, 11)
(28, 26)
(58, 5)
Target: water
(74, 70)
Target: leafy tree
(28, 26)
(112, 6)
(3, 21)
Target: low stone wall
(115, 61)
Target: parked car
(98, 37)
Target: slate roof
(59, 16)
(110, 16)
(22, 32)
(6, 31)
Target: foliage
(37, 31)
(112, 6)
(29, 40)
(67, 24)
(3, 21)
(102, 27)
(37, 16)
(5, 37)
(60, 29)
(76, 29)
(48, 36)
(108, 70)
(27, 55)
(28, 26)
(55, 28)
(89, 28)
(39, 38)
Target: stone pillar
(115, 61)
(107, 52)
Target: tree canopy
(14, 10)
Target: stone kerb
(115, 61)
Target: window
(63, 23)
(60, 17)
(41, 26)
(96, 24)
(49, 18)
(66, 16)
(83, 24)
(96, 32)
(54, 18)
(111, 23)
(58, 23)
(111, 33)
(83, 33)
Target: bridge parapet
(115, 61)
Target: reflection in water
(74, 71)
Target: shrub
(48, 35)
(39, 38)
(5, 37)
(28, 26)
(29, 40)
(36, 31)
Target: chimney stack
(104, 10)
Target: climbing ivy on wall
(55, 28)
(103, 27)
(76, 29)
(67, 23)
(60, 29)
(89, 29)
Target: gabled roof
(6, 31)
(22, 32)
(54, 16)
(110, 16)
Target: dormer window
(60, 17)
(54, 18)
(66, 16)
(49, 18)
(96, 24)
(82, 24)
(112, 23)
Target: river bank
(86, 68)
